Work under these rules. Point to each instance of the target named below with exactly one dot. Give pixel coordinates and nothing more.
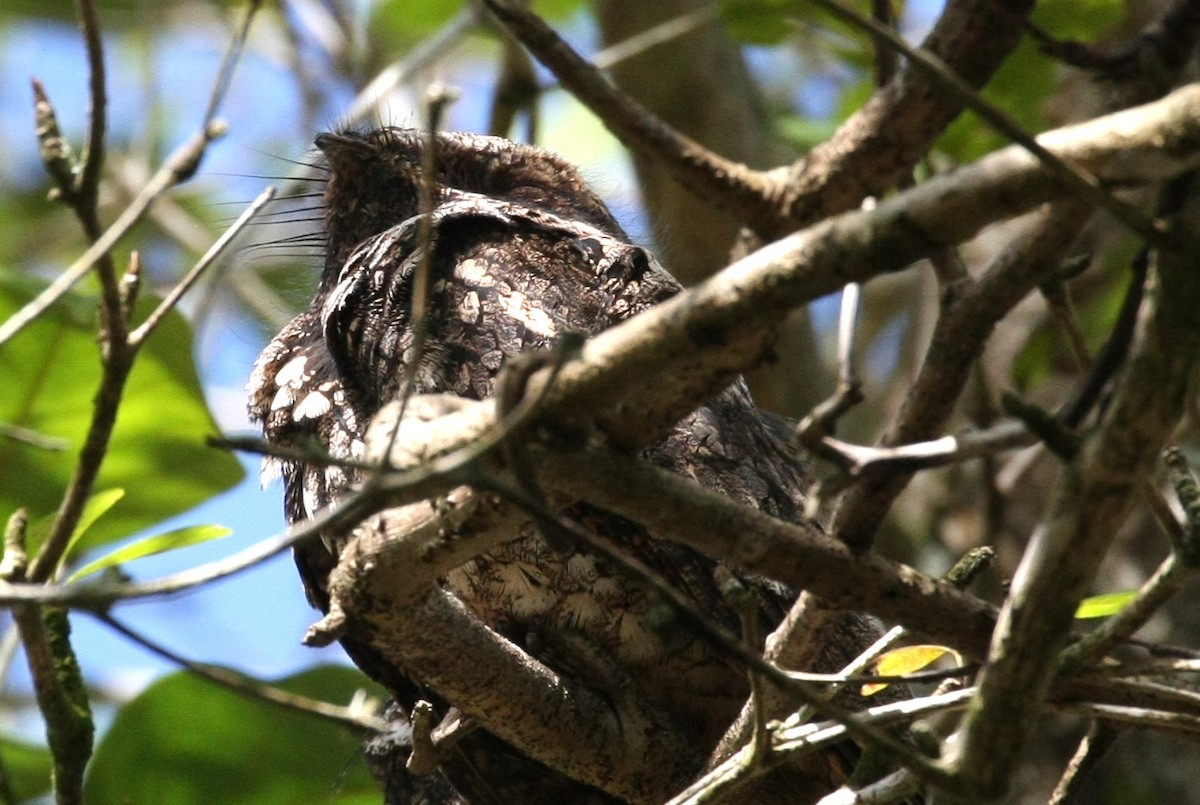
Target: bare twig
(856, 459)
(432, 48)
(1064, 315)
(1100, 736)
(654, 36)
(1186, 723)
(821, 422)
(252, 689)
(790, 740)
(139, 335)
(177, 168)
(1112, 355)
(87, 183)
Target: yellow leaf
(907, 660)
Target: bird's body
(520, 251)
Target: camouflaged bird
(522, 252)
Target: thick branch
(868, 155)
(647, 373)
(798, 554)
(616, 746)
(879, 145)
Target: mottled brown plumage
(523, 252)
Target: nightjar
(522, 252)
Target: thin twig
(855, 459)
(178, 167)
(181, 164)
(87, 184)
(789, 741)
(654, 36)
(250, 688)
(33, 438)
(139, 335)
(1137, 716)
(1116, 348)
(848, 316)
(229, 62)
(1066, 317)
(1092, 747)
(380, 87)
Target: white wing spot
(283, 398)
(468, 311)
(292, 373)
(529, 313)
(272, 470)
(475, 273)
(314, 404)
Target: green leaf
(149, 546)
(1102, 606)
(185, 740)
(27, 768)
(51, 372)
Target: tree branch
(616, 745)
(879, 145)
(1093, 497)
